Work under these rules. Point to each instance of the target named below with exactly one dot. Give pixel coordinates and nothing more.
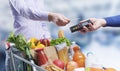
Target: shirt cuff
(44, 16)
(108, 21)
(113, 21)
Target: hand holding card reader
(80, 26)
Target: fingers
(84, 30)
(65, 20)
(59, 19)
(68, 20)
(87, 28)
(90, 27)
(62, 21)
(82, 21)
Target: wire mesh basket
(15, 61)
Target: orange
(96, 69)
(110, 69)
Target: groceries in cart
(59, 54)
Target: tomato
(59, 63)
(45, 42)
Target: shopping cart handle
(8, 45)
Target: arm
(25, 11)
(113, 21)
(21, 8)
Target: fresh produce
(96, 69)
(59, 41)
(19, 41)
(100, 69)
(29, 58)
(45, 41)
(59, 63)
(71, 66)
(109, 69)
(33, 42)
(40, 46)
(36, 44)
(87, 69)
(22, 45)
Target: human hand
(96, 24)
(59, 19)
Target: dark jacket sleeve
(113, 21)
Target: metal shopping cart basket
(14, 58)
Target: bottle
(71, 52)
(41, 57)
(92, 63)
(79, 57)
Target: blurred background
(104, 43)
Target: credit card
(80, 26)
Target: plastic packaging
(79, 57)
(71, 53)
(41, 57)
(92, 62)
(62, 50)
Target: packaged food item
(79, 69)
(52, 67)
(79, 57)
(71, 52)
(62, 50)
(51, 53)
(61, 34)
(41, 57)
(92, 63)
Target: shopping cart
(15, 60)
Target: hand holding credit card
(80, 26)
